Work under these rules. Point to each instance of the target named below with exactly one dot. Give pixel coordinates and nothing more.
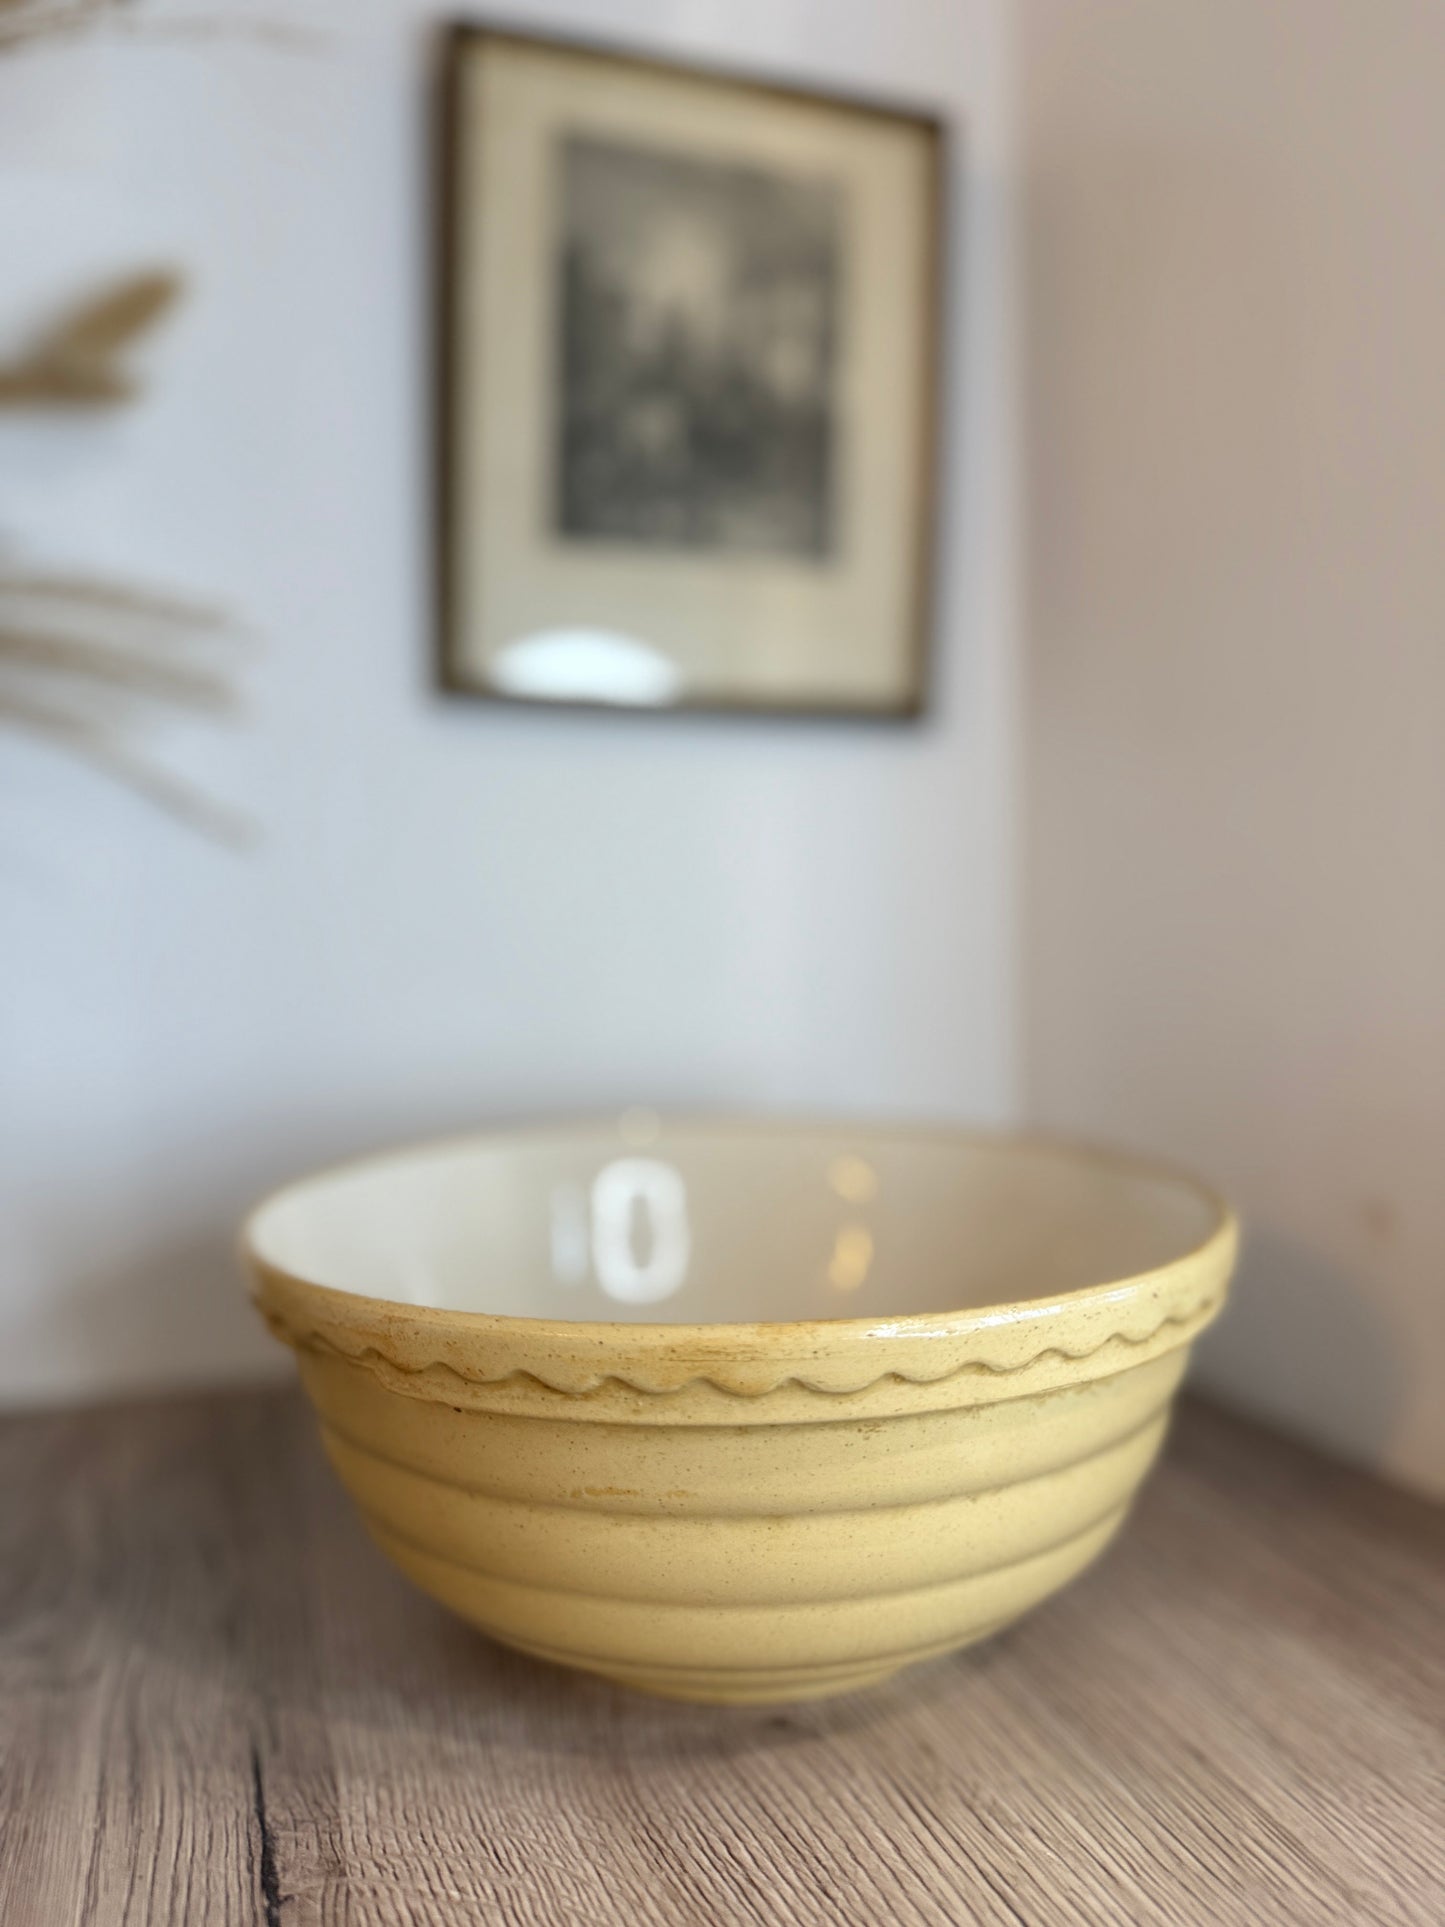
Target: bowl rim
(1185, 1291)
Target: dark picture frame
(689, 344)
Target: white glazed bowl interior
(714, 1222)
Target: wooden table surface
(218, 1704)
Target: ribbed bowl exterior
(788, 1545)
(750, 1512)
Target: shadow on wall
(1304, 1347)
(176, 1313)
(148, 1294)
(156, 1300)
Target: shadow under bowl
(741, 1411)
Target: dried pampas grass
(86, 662)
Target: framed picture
(688, 389)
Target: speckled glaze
(752, 1511)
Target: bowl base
(771, 1686)
(746, 1692)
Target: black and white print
(699, 347)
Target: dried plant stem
(116, 598)
(82, 657)
(79, 358)
(97, 748)
(122, 668)
(22, 20)
(23, 24)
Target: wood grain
(218, 1704)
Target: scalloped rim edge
(377, 1360)
(431, 1352)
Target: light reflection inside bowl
(630, 1230)
(852, 1256)
(633, 1229)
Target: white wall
(454, 913)
(1235, 283)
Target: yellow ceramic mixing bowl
(741, 1412)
